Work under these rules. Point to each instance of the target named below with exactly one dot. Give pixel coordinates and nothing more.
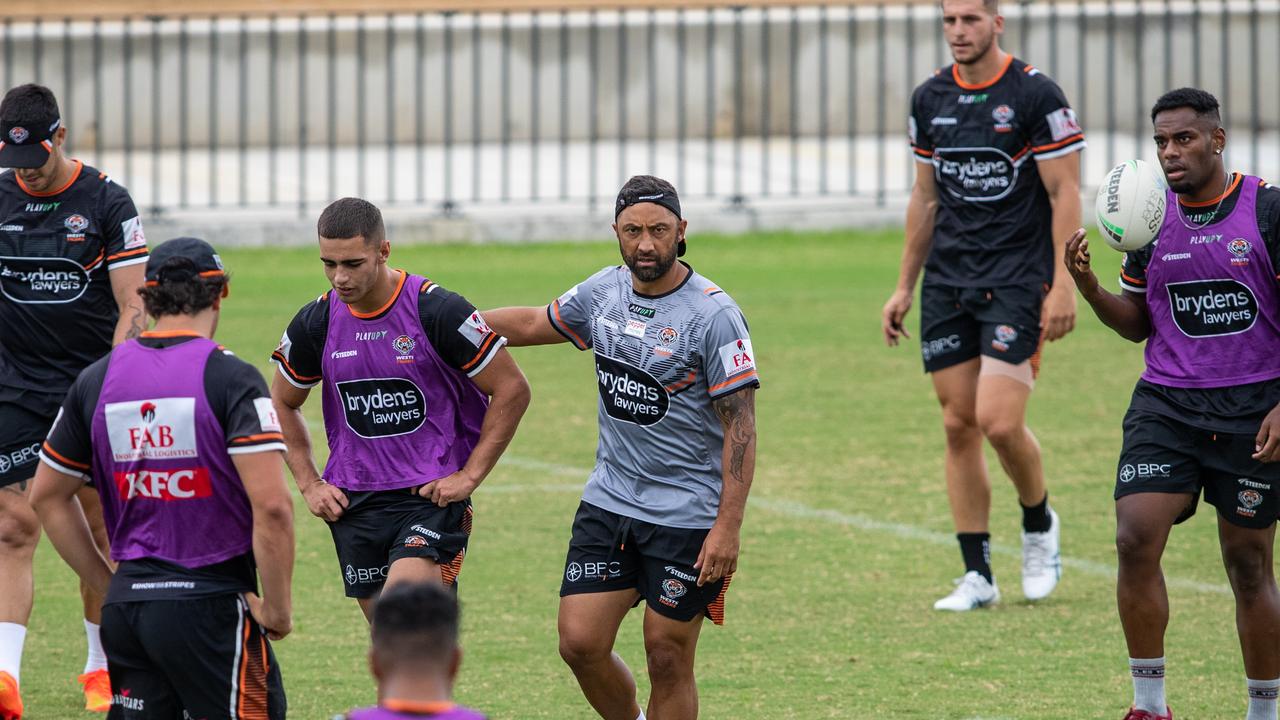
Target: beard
(980, 51)
(662, 264)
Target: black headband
(626, 199)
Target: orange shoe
(10, 700)
(97, 690)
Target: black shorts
(610, 552)
(207, 657)
(382, 526)
(25, 419)
(958, 324)
(1161, 454)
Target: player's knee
(668, 662)
(19, 532)
(1136, 546)
(961, 428)
(580, 648)
(1249, 569)
(1000, 431)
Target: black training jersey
(239, 399)
(1238, 409)
(994, 223)
(57, 311)
(448, 320)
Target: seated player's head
(31, 135)
(1189, 138)
(415, 636)
(971, 28)
(650, 231)
(184, 277)
(353, 247)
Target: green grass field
(847, 541)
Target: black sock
(1036, 518)
(976, 550)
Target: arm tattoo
(136, 325)
(737, 415)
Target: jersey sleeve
(1133, 269)
(456, 330)
(570, 314)
(918, 128)
(126, 243)
(728, 361)
(68, 448)
(298, 355)
(240, 400)
(1269, 222)
(1053, 128)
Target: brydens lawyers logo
(18, 134)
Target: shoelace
(1037, 558)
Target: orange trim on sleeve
(394, 296)
(955, 75)
(278, 357)
(128, 253)
(63, 459)
(96, 261)
(686, 382)
(484, 350)
(258, 437)
(74, 176)
(733, 381)
(1130, 280)
(1054, 146)
(923, 153)
(1230, 189)
(555, 309)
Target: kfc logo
(164, 484)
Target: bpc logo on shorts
(573, 573)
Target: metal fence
(444, 112)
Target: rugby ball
(1130, 205)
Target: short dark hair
(416, 623)
(181, 290)
(991, 6)
(1203, 103)
(29, 104)
(352, 217)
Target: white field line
(799, 510)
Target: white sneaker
(972, 591)
(1041, 561)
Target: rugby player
(1205, 414)
(183, 447)
(415, 655)
(662, 512)
(73, 251)
(996, 194)
(420, 399)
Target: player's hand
(450, 489)
(719, 555)
(1076, 259)
(325, 501)
(892, 315)
(1267, 444)
(1058, 313)
(276, 622)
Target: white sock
(12, 638)
(1262, 699)
(1148, 684)
(97, 657)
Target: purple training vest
(454, 712)
(169, 489)
(395, 413)
(1213, 300)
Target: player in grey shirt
(661, 514)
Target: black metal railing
(447, 111)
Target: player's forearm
(297, 441)
(519, 325)
(738, 459)
(1119, 313)
(921, 211)
(273, 550)
(64, 522)
(133, 320)
(506, 407)
(1065, 201)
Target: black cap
(27, 145)
(668, 200)
(181, 259)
